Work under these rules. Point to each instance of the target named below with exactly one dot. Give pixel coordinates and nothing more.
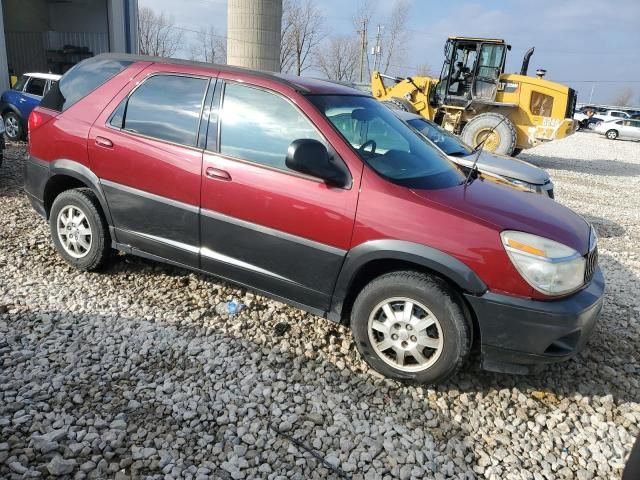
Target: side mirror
(311, 157)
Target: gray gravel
(137, 372)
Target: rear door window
(166, 107)
(35, 86)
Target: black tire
(453, 327)
(16, 132)
(399, 104)
(611, 134)
(516, 152)
(99, 252)
(485, 121)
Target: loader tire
(399, 104)
(502, 140)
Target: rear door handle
(104, 142)
(212, 172)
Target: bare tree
(209, 46)
(395, 36)
(338, 59)
(622, 98)
(157, 34)
(301, 34)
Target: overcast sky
(583, 43)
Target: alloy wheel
(11, 126)
(405, 334)
(74, 231)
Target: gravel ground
(138, 372)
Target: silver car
(623, 129)
(502, 169)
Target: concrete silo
(253, 33)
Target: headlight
(550, 267)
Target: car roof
(306, 85)
(46, 76)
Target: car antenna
(478, 150)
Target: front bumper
(519, 335)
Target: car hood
(508, 209)
(505, 166)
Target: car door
(144, 149)
(628, 129)
(262, 224)
(31, 96)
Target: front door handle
(104, 142)
(212, 172)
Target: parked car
(2, 143)
(17, 103)
(258, 178)
(622, 129)
(612, 115)
(591, 122)
(500, 168)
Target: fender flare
(442, 263)
(6, 106)
(80, 172)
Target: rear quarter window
(81, 80)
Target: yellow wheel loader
(474, 98)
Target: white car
(608, 115)
(627, 129)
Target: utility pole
(376, 51)
(593, 86)
(363, 49)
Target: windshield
(446, 141)
(386, 143)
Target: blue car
(16, 104)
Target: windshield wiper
(459, 153)
(478, 150)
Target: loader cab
(471, 71)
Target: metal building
(253, 33)
(52, 35)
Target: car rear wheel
(411, 327)
(611, 134)
(13, 126)
(79, 231)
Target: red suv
(315, 194)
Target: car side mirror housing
(311, 157)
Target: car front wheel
(411, 326)
(13, 126)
